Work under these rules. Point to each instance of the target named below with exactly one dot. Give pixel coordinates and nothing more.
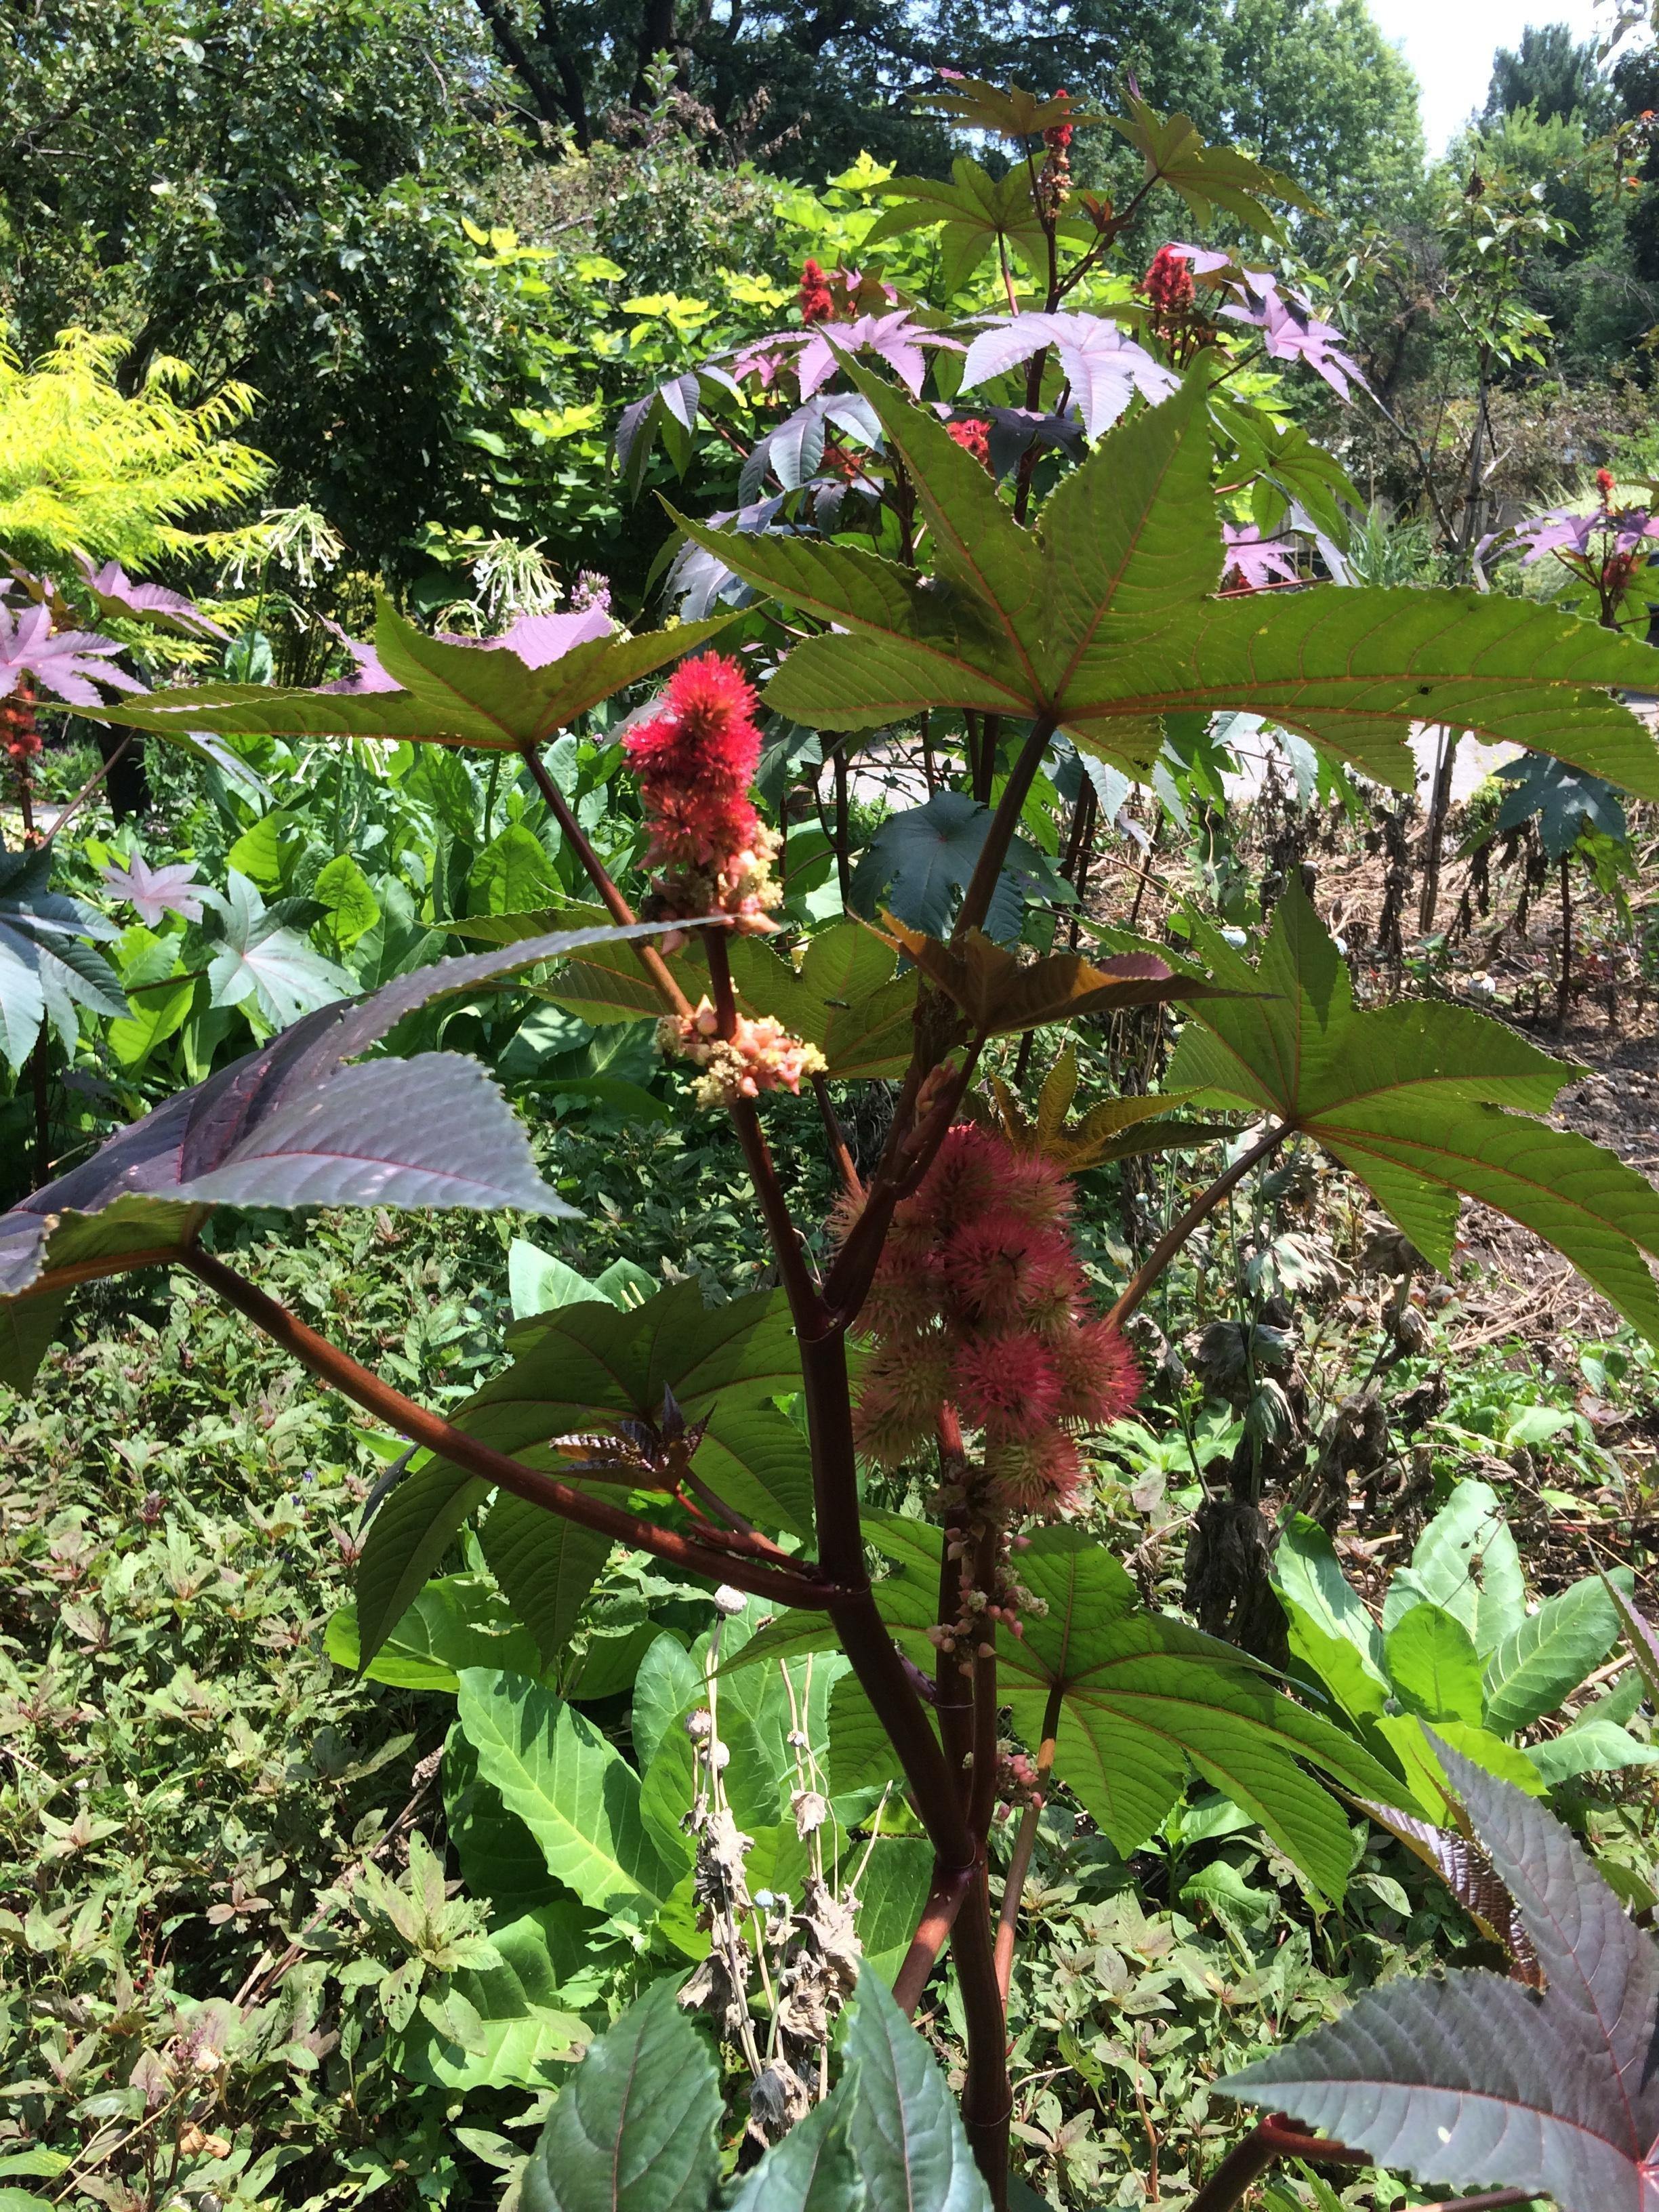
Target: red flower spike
(1604, 484)
(816, 301)
(974, 436)
(1168, 285)
(696, 759)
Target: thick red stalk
(1024, 1843)
(1174, 1237)
(1272, 2139)
(977, 900)
(749, 1563)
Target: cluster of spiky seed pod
(978, 1304)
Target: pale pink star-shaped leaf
(153, 892)
(67, 665)
(1103, 368)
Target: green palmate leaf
(1433, 1666)
(846, 998)
(1099, 620)
(503, 2027)
(633, 2129)
(573, 1789)
(975, 209)
(546, 1565)
(582, 1367)
(1141, 1696)
(903, 2125)
(1207, 177)
(999, 993)
(1410, 1100)
(1547, 1655)
(457, 1621)
(1008, 110)
(452, 694)
(1474, 2082)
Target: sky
(1450, 43)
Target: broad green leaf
(1591, 1746)
(1129, 548)
(537, 1281)
(1465, 1561)
(812, 2170)
(1412, 1100)
(1335, 1662)
(1307, 1572)
(1412, 1741)
(634, 2128)
(457, 1621)
(512, 875)
(891, 1893)
(583, 1366)
(1433, 1666)
(347, 899)
(518, 2035)
(451, 694)
(846, 998)
(574, 1791)
(903, 2125)
(546, 1565)
(1142, 1695)
(498, 1856)
(414, 1525)
(669, 1683)
(1546, 1657)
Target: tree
(271, 193)
(1552, 75)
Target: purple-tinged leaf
(1473, 2082)
(1468, 1872)
(1104, 368)
(820, 348)
(115, 592)
(1259, 561)
(150, 1187)
(155, 891)
(1292, 332)
(69, 664)
(428, 1132)
(1639, 1635)
(367, 675)
(1202, 260)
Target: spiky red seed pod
(900, 1392)
(1099, 1376)
(1039, 1189)
(969, 1173)
(1002, 1270)
(1009, 1386)
(1037, 1474)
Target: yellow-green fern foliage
(86, 468)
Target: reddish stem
(1173, 1239)
(1024, 1843)
(1272, 2139)
(751, 1563)
(598, 875)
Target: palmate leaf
(1207, 177)
(296, 1124)
(999, 994)
(1141, 1696)
(445, 694)
(846, 998)
(580, 1368)
(1412, 1099)
(46, 970)
(975, 209)
(1100, 618)
(1478, 2083)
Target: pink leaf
(1104, 368)
(155, 892)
